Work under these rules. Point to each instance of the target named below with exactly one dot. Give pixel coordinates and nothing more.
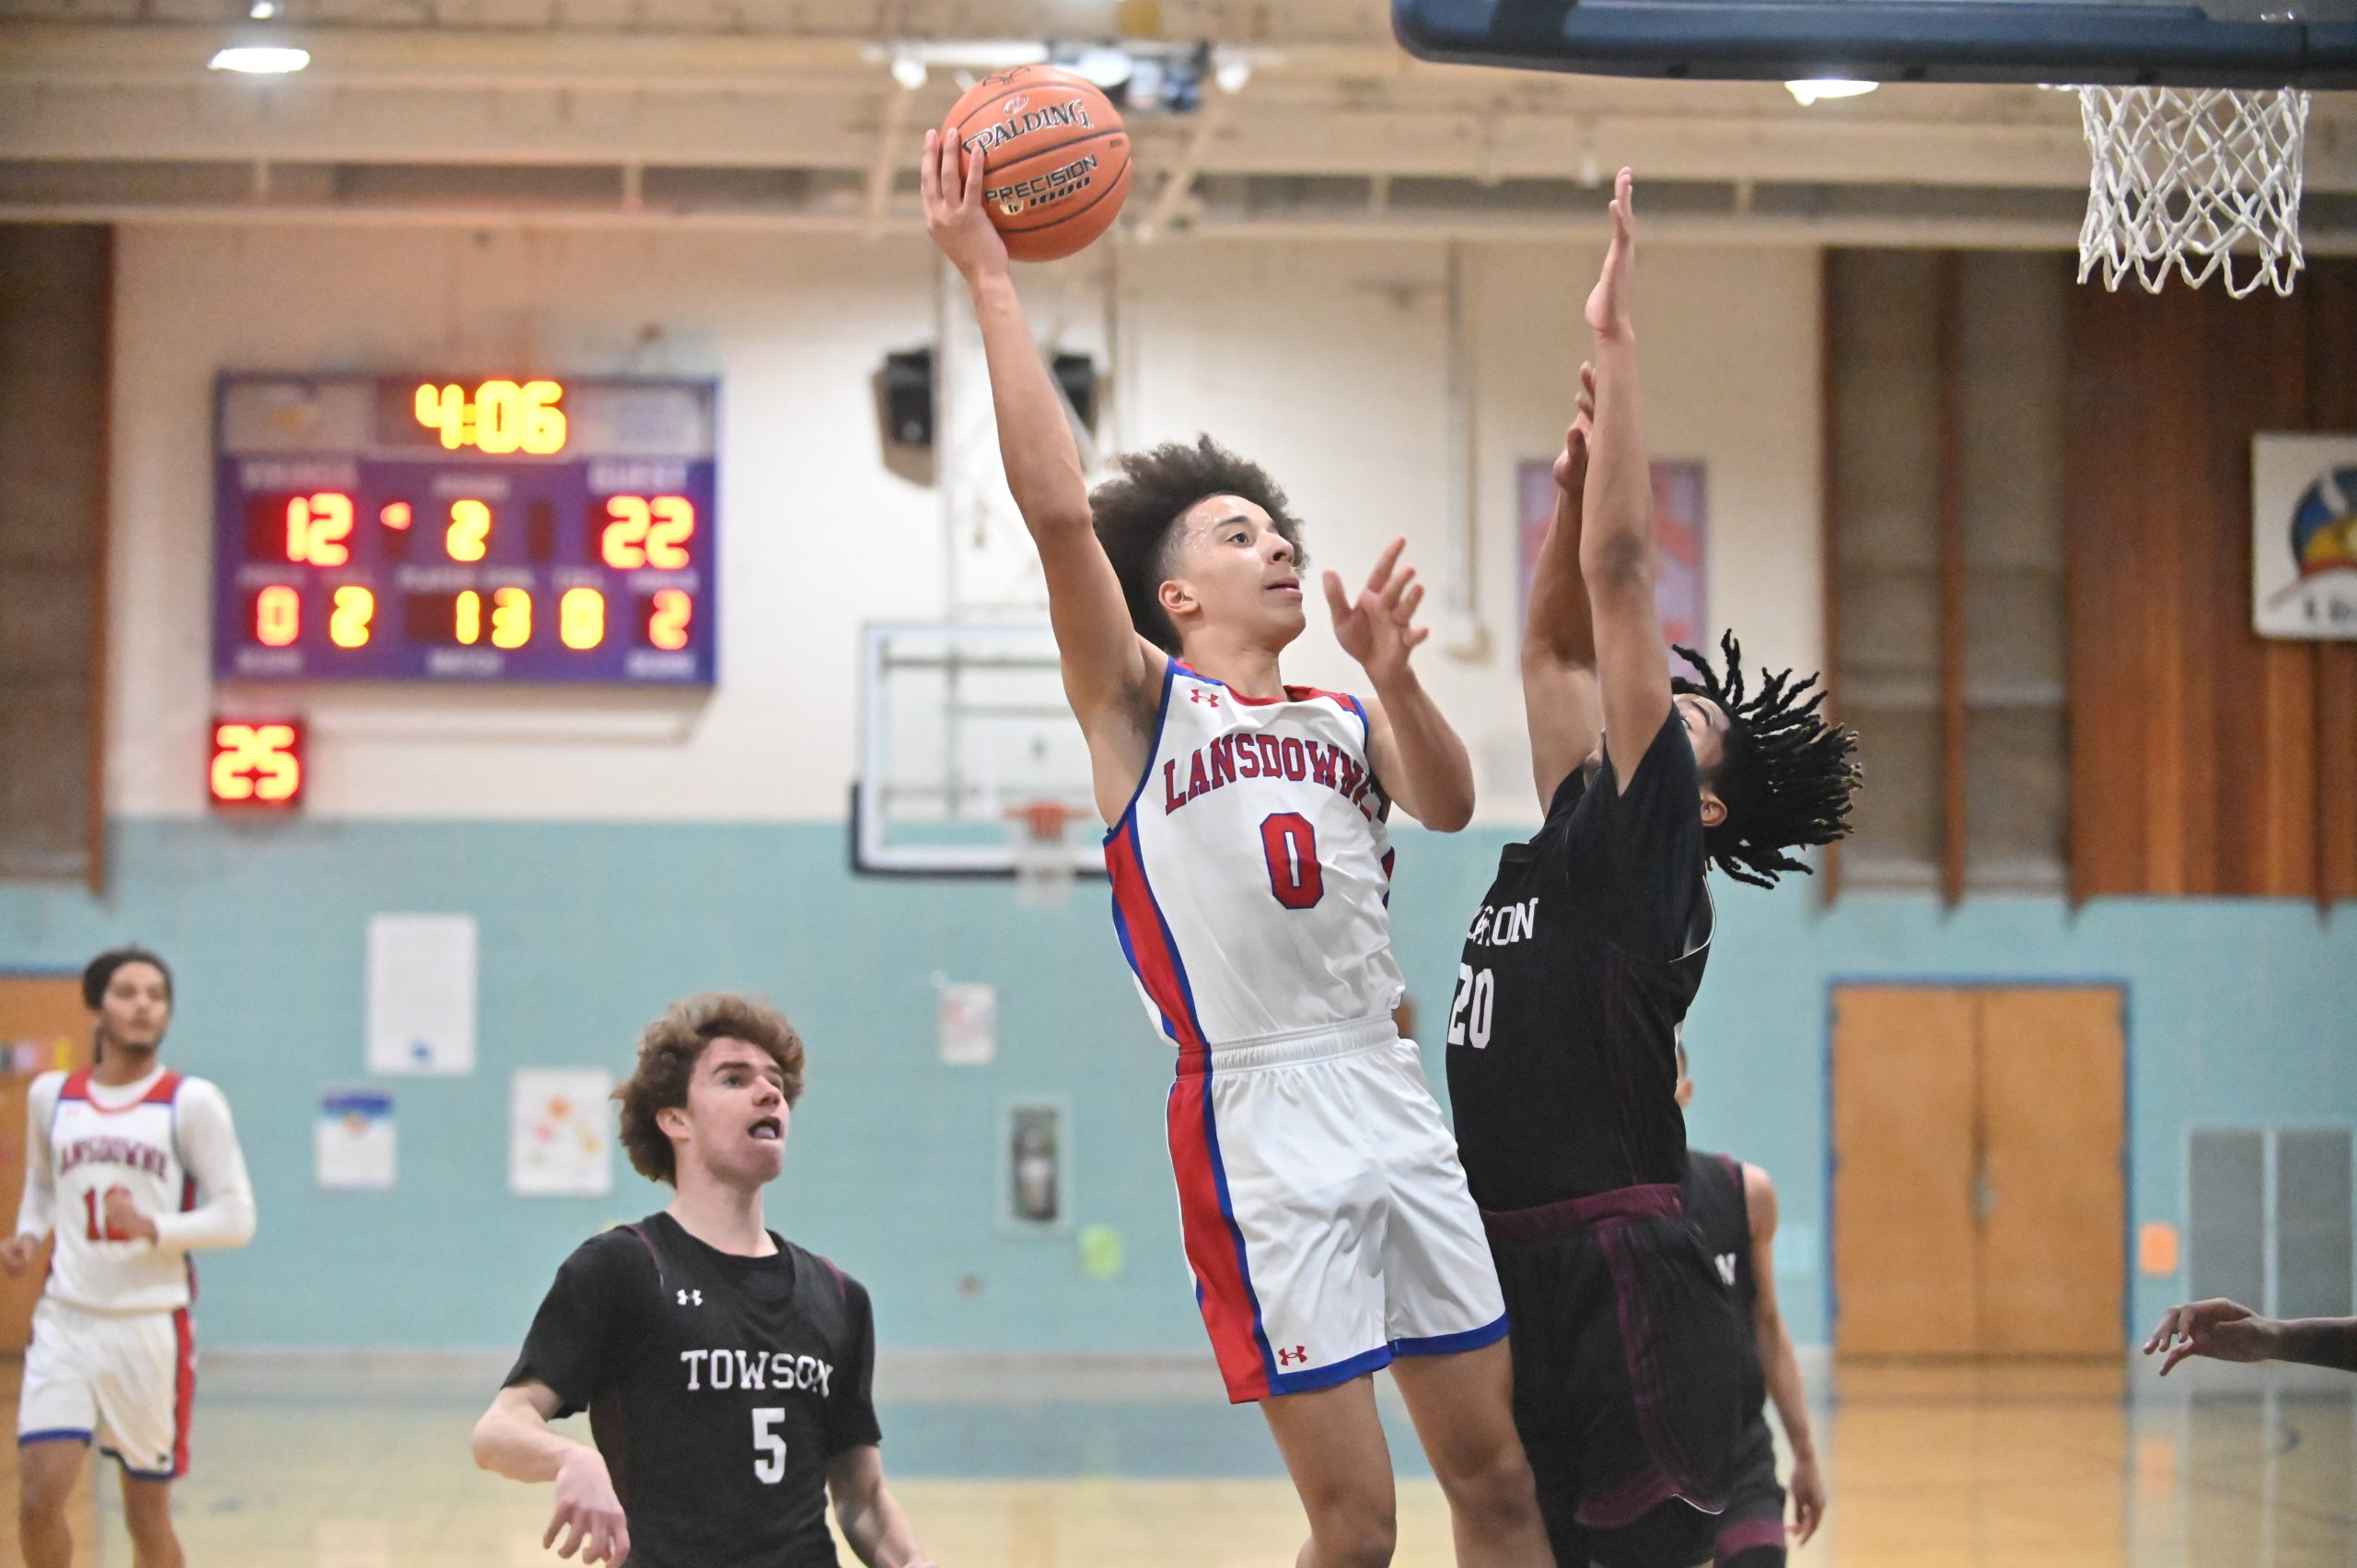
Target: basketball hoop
(1043, 867)
(2189, 178)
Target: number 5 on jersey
(1468, 1016)
(769, 1448)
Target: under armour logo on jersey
(691, 1298)
(1726, 1269)
(1208, 699)
(1288, 1357)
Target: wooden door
(47, 1012)
(2054, 1219)
(1979, 1204)
(1903, 1092)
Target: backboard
(2228, 44)
(961, 725)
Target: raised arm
(1424, 767)
(1617, 520)
(1781, 1368)
(513, 1440)
(1561, 701)
(1110, 673)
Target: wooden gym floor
(324, 1463)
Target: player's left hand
(1807, 1487)
(1377, 627)
(124, 1219)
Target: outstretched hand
(1609, 304)
(1377, 628)
(952, 184)
(2224, 1330)
(1571, 463)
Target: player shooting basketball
(1632, 1374)
(1325, 1214)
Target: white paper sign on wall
(421, 994)
(353, 1146)
(2304, 535)
(560, 1140)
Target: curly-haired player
(1324, 1211)
(726, 1370)
(1632, 1372)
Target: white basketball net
(2202, 181)
(1043, 866)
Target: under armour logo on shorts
(1288, 1357)
(691, 1297)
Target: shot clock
(461, 529)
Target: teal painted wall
(2244, 1009)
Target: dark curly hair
(668, 1051)
(1787, 773)
(1137, 514)
(100, 974)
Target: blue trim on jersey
(1121, 934)
(54, 1434)
(1152, 749)
(1450, 1344)
(135, 1472)
(1366, 730)
(1312, 1379)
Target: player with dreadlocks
(1633, 1379)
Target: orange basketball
(1056, 159)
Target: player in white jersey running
(1325, 1214)
(134, 1166)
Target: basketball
(1055, 158)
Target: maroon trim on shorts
(1551, 1222)
(1748, 1535)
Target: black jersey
(1713, 1198)
(717, 1387)
(1576, 979)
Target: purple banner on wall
(1682, 538)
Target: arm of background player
(513, 1440)
(1423, 765)
(1617, 514)
(1109, 669)
(1561, 701)
(1777, 1363)
(871, 1518)
(37, 1214)
(2227, 1331)
(209, 1143)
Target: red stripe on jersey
(1148, 945)
(184, 1391)
(78, 1087)
(1214, 1245)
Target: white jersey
(1252, 872)
(166, 1141)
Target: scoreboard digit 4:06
(461, 531)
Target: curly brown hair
(669, 1050)
(1137, 516)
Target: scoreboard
(463, 530)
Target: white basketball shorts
(1325, 1216)
(123, 1380)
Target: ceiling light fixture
(906, 69)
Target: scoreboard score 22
(459, 530)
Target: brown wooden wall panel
(2205, 760)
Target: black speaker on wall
(907, 397)
(1077, 374)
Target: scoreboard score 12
(461, 531)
